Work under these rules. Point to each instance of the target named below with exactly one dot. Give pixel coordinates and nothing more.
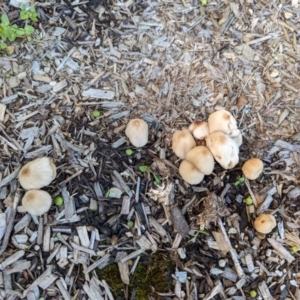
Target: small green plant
(11, 32)
(58, 201)
(193, 240)
(129, 152)
(239, 181)
(252, 294)
(28, 13)
(96, 113)
(294, 249)
(203, 2)
(248, 201)
(130, 224)
(147, 169)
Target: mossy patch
(154, 274)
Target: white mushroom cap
(37, 173)
(224, 149)
(36, 202)
(238, 139)
(252, 168)
(199, 129)
(264, 223)
(190, 173)
(202, 159)
(137, 132)
(182, 142)
(222, 120)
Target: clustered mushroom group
(200, 145)
(33, 176)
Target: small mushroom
(252, 168)
(190, 173)
(37, 173)
(224, 149)
(264, 223)
(222, 120)
(202, 159)
(182, 142)
(238, 139)
(36, 202)
(137, 132)
(199, 129)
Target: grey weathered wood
(98, 94)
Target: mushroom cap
(190, 173)
(199, 129)
(37, 173)
(202, 159)
(238, 139)
(252, 168)
(182, 142)
(224, 149)
(36, 202)
(264, 223)
(137, 132)
(222, 120)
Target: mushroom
(137, 132)
(37, 173)
(222, 120)
(199, 129)
(190, 173)
(182, 142)
(36, 202)
(238, 139)
(264, 223)
(252, 168)
(223, 148)
(202, 159)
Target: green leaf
(34, 18)
(5, 20)
(129, 152)
(156, 179)
(32, 9)
(23, 15)
(144, 168)
(3, 46)
(23, 7)
(29, 29)
(20, 32)
(29, 38)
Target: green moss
(154, 274)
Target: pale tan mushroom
(252, 168)
(238, 139)
(182, 142)
(264, 223)
(202, 159)
(222, 120)
(36, 202)
(37, 173)
(224, 149)
(199, 129)
(190, 173)
(137, 132)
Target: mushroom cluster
(33, 176)
(222, 140)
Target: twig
(11, 221)
(234, 256)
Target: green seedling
(238, 182)
(252, 294)
(107, 193)
(203, 2)
(294, 249)
(58, 201)
(96, 113)
(193, 240)
(130, 224)
(12, 32)
(28, 13)
(147, 169)
(129, 152)
(248, 201)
